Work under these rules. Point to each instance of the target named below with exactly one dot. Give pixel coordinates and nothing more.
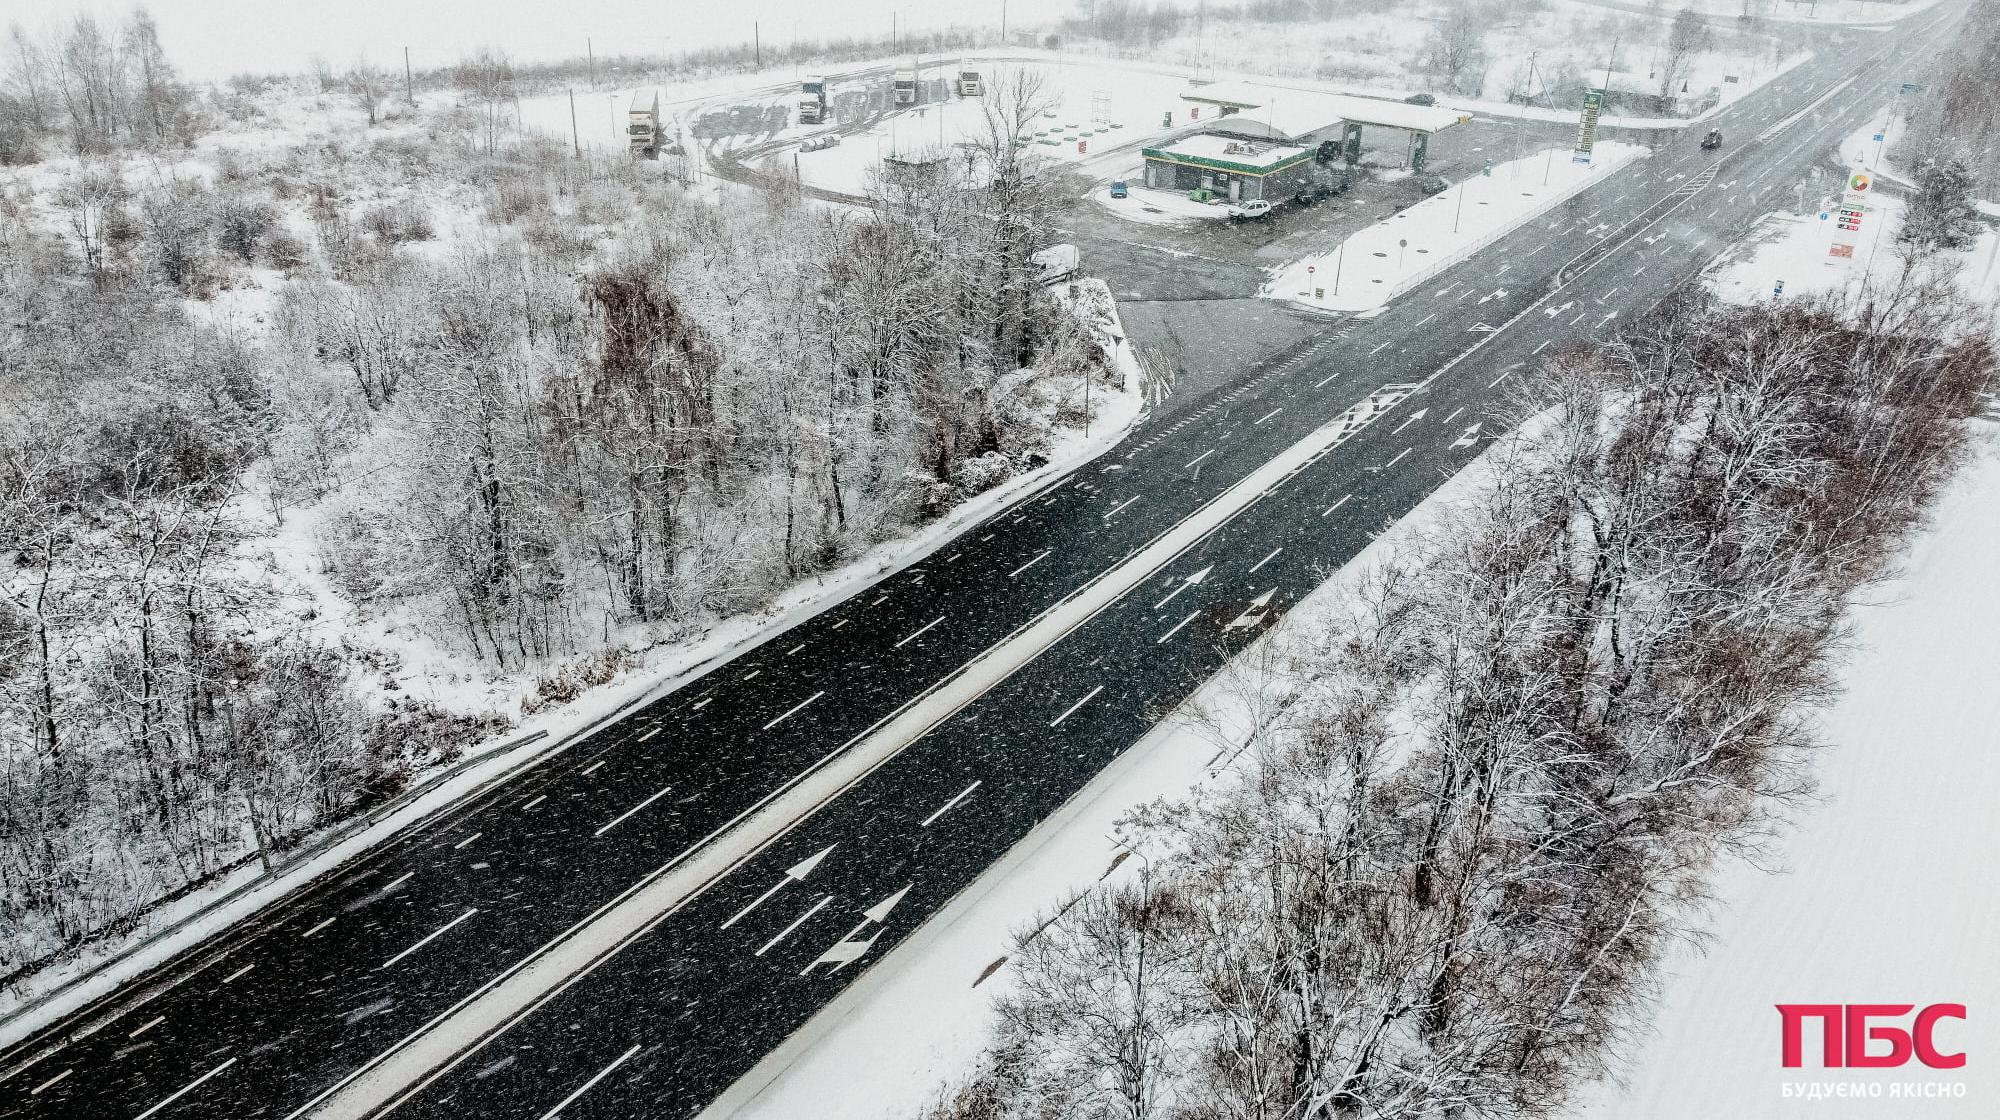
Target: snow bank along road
(626, 928)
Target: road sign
(1586, 126)
(1488, 170)
(1823, 215)
(1311, 268)
(1859, 182)
(1778, 289)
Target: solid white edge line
(586, 1086)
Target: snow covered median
(1396, 254)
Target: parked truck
(642, 124)
(969, 84)
(906, 87)
(812, 100)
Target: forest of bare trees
(1955, 118)
(528, 411)
(1439, 880)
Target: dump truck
(906, 87)
(642, 124)
(969, 83)
(812, 100)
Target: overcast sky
(215, 38)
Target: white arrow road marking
(1071, 710)
(586, 1086)
(793, 874)
(880, 911)
(1497, 293)
(796, 923)
(1470, 437)
(1482, 328)
(1607, 319)
(1254, 613)
(1188, 582)
(949, 805)
(1553, 311)
(845, 951)
(1413, 418)
(185, 1089)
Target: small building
(1309, 117)
(1233, 167)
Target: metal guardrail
(298, 859)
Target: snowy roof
(1224, 150)
(1296, 111)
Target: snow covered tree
(1940, 214)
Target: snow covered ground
(1373, 266)
(917, 1021)
(1884, 892)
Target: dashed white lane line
(467, 840)
(1267, 559)
(649, 734)
(1327, 378)
(620, 818)
(539, 798)
(1496, 381)
(1269, 414)
(405, 877)
(232, 976)
(841, 623)
(586, 1086)
(1322, 513)
(794, 709)
(949, 805)
(752, 675)
(704, 701)
(1432, 315)
(795, 649)
(1453, 416)
(1398, 458)
(920, 631)
(1038, 559)
(1377, 349)
(329, 921)
(1121, 505)
(593, 767)
(50, 1083)
(1177, 627)
(429, 937)
(185, 1089)
(1543, 345)
(796, 923)
(879, 601)
(148, 1025)
(1071, 710)
(1198, 458)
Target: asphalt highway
(277, 1012)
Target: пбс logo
(1845, 1034)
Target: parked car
(1712, 141)
(1250, 210)
(1420, 99)
(1056, 264)
(1118, 188)
(1433, 184)
(1307, 195)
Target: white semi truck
(642, 124)
(812, 100)
(906, 87)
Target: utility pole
(756, 44)
(409, 89)
(575, 143)
(1003, 22)
(892, 33)
(590, 56)
(1608, 63)
(1527, 102)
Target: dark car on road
(1712, 141)
(1118, 188)
(1420, 99)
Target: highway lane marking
(1071, 710)
(1112, 510)
(594, 768)
(1267, 559)
(1453, 416)
(185, 1089)
(1498, 380)
(1198, 458)
(1040, 556)
(796, 873)
(987, 537)
(1544, 343)
(704, 701)
(953, 557)
(1432, 315)
(1533, 251)
(539, 798)
(1377, 350)
(1614, 291)
(1397, 459)
(1270, 414)
(879, 600)
(796, 923)
(232, 976)
(586, 1086)
(656, 731)
(1327, 378)
(405, 877)
(920, 632)
(1606, 319)
(840, 624)
(750, 676)
(50, 1083)
(794, 710)
(1192, 615)
(1322, 513)
(329, 921)
(467, 840)
(620, 818)
(953, 803)
(428, 938)
(149, 1025)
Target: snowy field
(1883, 894)
(1373, 266)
